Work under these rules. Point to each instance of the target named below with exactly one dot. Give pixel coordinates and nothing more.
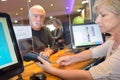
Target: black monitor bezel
(11, 70)
(83, 46)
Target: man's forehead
(38, 11)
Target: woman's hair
(111, 5)
(57, 21)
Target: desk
(31, 67)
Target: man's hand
(47, 52)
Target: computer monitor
(86, 35)
(11, 63)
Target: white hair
(38, 7)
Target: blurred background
(68, 11)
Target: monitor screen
(10, 57)
(86, 35)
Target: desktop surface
(31, 67)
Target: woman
(57, 33)
(109, 22)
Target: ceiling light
(67, 8)
(3, 0)
(84, 2)
(16, 14)
(21, 9)
(79, 10)
(29, 0)
(51, 4)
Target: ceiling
(18, 9)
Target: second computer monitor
(86, 35)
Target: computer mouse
(38, 76)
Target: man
(42, 39)
(58, 33)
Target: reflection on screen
(24, 37)
(7, 53)
(51, 27)
(86, 35)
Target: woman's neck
(116, 37)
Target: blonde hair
(111, 5)
(38, 7)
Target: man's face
(37, 18)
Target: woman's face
(107, 21)
(55, 24)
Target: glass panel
(60, 9)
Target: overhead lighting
(16, 14)
(79, 10)
(51, 5)
(3, 0)
(67, 8)
(83, 13)
(21, 9)
(85, 1)
(29, 0)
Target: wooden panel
(31, 67)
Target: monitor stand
(77, 50)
